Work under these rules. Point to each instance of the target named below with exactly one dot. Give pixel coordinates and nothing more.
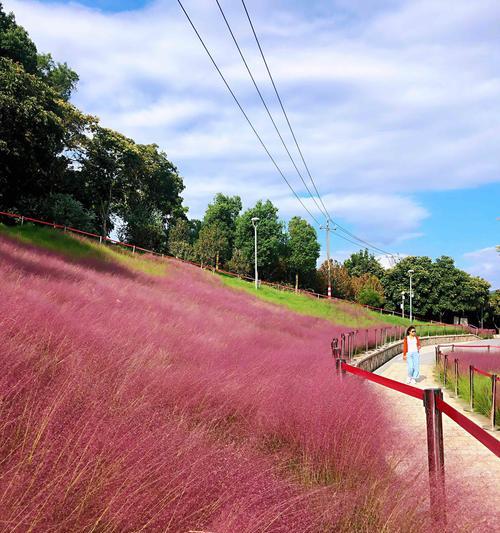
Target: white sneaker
(408, 381)
(413, 382)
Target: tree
(365, 287)
(224, 211)
(179, 239)
(15, 43)
(144, 227)
(303, 248)
(35, 128)
(369, 296)
(239, 264)
(363, 262)
(109, 166)
(65, 210)
(271, 238)
(211, 241)
(341, 281)
(58, 75)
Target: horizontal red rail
(485, 347)
(391, 383)
(479, 371)
(473, 429)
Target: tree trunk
(297, 282)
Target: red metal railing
(443, 360)
(434, 406)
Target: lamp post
(410, 273)
(328, 229)
(254, 224)
(402, 304)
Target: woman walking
(411, 354)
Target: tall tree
(303, 248)
(211, 241)
(363, 262)
(223, 211)
(341, 281)
(271, 238)
(179, 239)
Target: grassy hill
(166, 401)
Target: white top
(412, 344)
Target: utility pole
(410, 272)
(327, 228)
(254, 224)
(402, 304)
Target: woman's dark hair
(411, 328)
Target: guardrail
(279, 286)
(434, 407)
(442, 359)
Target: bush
(369, 296)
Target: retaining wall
(374, 359)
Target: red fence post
(340, 371)
(493, 400)
(471, 387)
(456, 377)
(435, 453)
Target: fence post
(366, 340)
(100, 239)
(22, 220)
(340, 371)
(445, 368)
(436, 351)
(456, 378)
(452, 347)
(471, 387)
(435, 454)
(493, 400)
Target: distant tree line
(59, 164)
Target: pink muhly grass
(130, 402)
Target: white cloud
(387, 99)
(484, 263)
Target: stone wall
(375, 358)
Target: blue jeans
(413, 362)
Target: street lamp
(254, 224)
(410, 272)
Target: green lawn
(75, 247)
(342, 313)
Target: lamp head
(255, 220)
(411, 272)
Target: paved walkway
(477, 465)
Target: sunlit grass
(81, 248)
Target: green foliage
(223, 211)
(179, 239)
(211, 241)
(271, 239)
(369, 296)
(441, 290)
(303, 247)
(239, 264)
(65, 210)
(58, 75)
(363, 262)
(143, 227)
(15, 43)
(340, 280)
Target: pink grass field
(488, 361)
(138, 403)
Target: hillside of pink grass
(133, 403)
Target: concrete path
(477, 465)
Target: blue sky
(395, 104)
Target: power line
(243, 112)
(265, 105)
(295, 138)
(283, 109)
